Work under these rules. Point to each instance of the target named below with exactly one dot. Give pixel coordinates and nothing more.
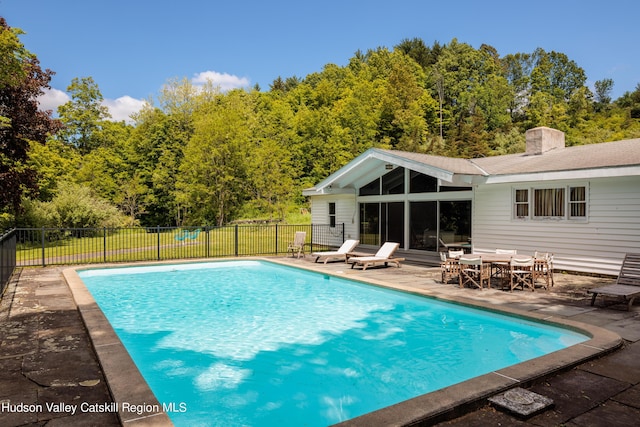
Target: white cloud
(224, 81)
(122, 108)
(52, 99)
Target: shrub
(75, 206)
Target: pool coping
(128, 388)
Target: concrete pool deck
(48, 357)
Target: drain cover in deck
(521, 402)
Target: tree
(158, 139)
(212, 179)
(270, 172)
(130, 198)
(416, 48)
(21, 82)
(473, 91)
(407, 103)
(517, 70)
(603, 90)
(554, 73)
(545, 110)
(83, 115)
(53, 162)
(13, 54)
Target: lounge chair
(298, 243)
(628, 283)
(341, 254)
(383, 256)
(187, 235)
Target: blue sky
(132, 47)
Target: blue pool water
(251, 343)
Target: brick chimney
(543, 139)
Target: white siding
(346, 212)
(596, 245)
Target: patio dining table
(492, 258)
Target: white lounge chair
(340, 254)
(383, 256)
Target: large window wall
(429, 216)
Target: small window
(421, 183)
(522, 204)
(332, 214)
(445, 188)
(393, 182)
(577, 202)
(371, 189)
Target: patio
(46, 354)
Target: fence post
(158, 232)
(43, 262)
(276, 238)
(236, 240)
(104, 242)
(206, 231)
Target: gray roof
(599, 159)
(591, 156)
(451, 164)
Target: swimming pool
(290, 346)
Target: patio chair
(298, 244)
(544, 268)
(383, 256)
(455, 253)
(449, 266)
(341, 254)
(500, 270)
(473, 272)
(627, 285)
(522, 273)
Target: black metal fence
(56, 246)
(7, 258)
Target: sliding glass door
(423, 222)
(455, 222)
(382, 222)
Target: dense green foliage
(74, 206)
(199, 156)
(21, 121)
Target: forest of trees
(200, 156)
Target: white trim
(562, 175)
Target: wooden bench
(628, 283)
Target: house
(580, 203)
